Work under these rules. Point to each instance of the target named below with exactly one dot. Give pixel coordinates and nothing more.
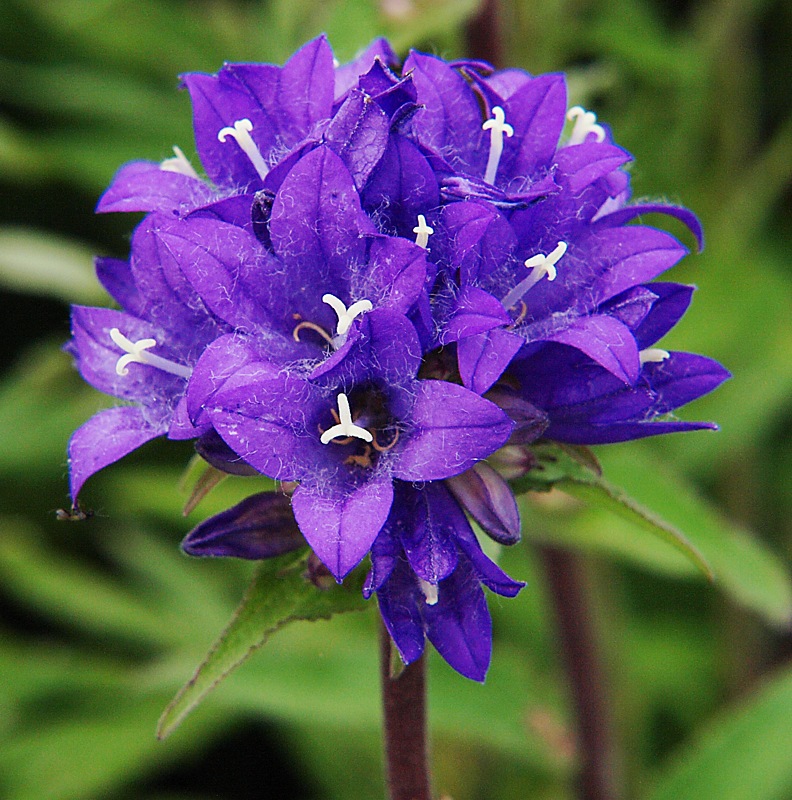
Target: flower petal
(452, 429)
(106, 437)
(459, 624)
(342, 525)
(483, 358)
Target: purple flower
(197, 287)
(388, 275)
(427, 572)
(346, 429)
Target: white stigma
(585, 123)
(422, 232)
(653, 355)
(346, 316)
(541, 265)
(497, 126)
(179, 163)
(430, 591)
(137, 353)
(345, 425)
(241, 132)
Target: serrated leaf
(576, 472)
(279, 593)
(743, 756)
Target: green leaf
(744, 568)
(45, 264)
(574, 471)
(744, 755)
(280, 593)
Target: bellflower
(388, 274)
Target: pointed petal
(358, 134)
(672, 301)
(307, 84)
(475, 312)
(144, 186)
(106, 437)
(488, 572)
(483, 358)
(605, 340)
(401, 187)
(628, 213)
(317, 223)
(580, 165)
(428, 535)
(452, 429)
(450, 121)
(536, 112)
(341, 523)
(398, 598)
(459, 625)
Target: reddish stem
(599, 776)
(404, 725)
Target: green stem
(404, 726)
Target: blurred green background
(102, 621)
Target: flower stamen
(430, 591)
(541, 265)
(179, 163)
(137, 352)
(311, 326)
(346, 316)
(497, 126)
(422, 232)
(585, 123)
(383, 448)
(653, 355)
(241, 132)
(345, 426)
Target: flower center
(422, 232)
(345, 427)
(653, 355)
(241, 132)
(585, 123)
(497, 126)
(137, 352)
(541, 265)
(179, 163)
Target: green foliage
(103, 620)
(280, 593)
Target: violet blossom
(389, 274)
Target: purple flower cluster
(389, 273)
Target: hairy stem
(404, 725)
(599, 776)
